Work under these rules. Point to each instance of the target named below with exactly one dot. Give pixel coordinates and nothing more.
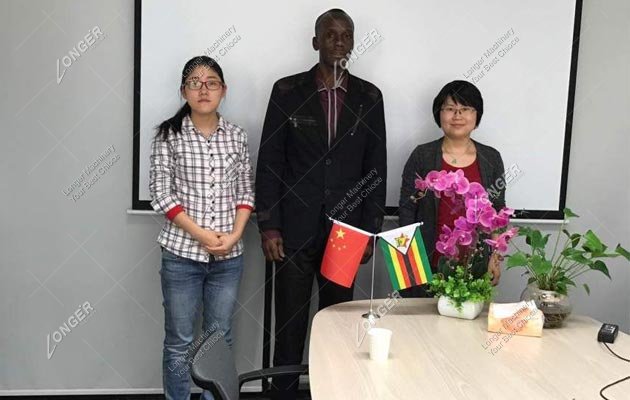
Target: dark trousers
(293, 286)
(416, 291)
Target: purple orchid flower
(464, 237)
(500, 244)
(447, 248)
(476, 209)
(432, 178)
(420, 184)
(487, 216)
(461, 185)
(462, 223)
(475, 190)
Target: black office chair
(213, 369)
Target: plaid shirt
(207, 178)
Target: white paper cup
(379, 339)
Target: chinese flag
(344, 250)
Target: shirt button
(328, 161)
(327, 192)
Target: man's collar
(341, 82)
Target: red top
(449, 209)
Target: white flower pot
(469, 309)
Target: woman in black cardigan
(457, 109)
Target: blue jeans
(185, 283)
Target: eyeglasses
(197, 85)
(464, 111)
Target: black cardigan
(427, 157)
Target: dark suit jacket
(299, 179)
(428, 157)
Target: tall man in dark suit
(322, 153)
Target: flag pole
(371, 315)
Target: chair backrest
(213, 368)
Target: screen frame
(558, 214)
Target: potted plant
(460, 295)
(551, 275)
(462, 283)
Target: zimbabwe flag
(405, 256)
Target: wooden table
(435, 357)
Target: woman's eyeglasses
(197, 85)
(464, 111)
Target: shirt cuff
(245, 206)
(173, 212)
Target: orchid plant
(481, 220)
(463, 244)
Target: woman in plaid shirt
(201, 179)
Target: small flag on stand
(344, 250)
(405, 256)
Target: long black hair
(175, 122)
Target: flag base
(371, 315)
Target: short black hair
(332, 13)
(462, 92)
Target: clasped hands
(218, 243)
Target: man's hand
(367, 253)
(272, 246)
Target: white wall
(58, 254)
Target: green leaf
(540, 265)
(561, 288)
(623, 252)
(592, 243)
(588, 290)
(536, 240)
(574, 238)
(569, 214)
(517, 259)
(600, 266)
(546, 267)
(524, 231)
(576, 255)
